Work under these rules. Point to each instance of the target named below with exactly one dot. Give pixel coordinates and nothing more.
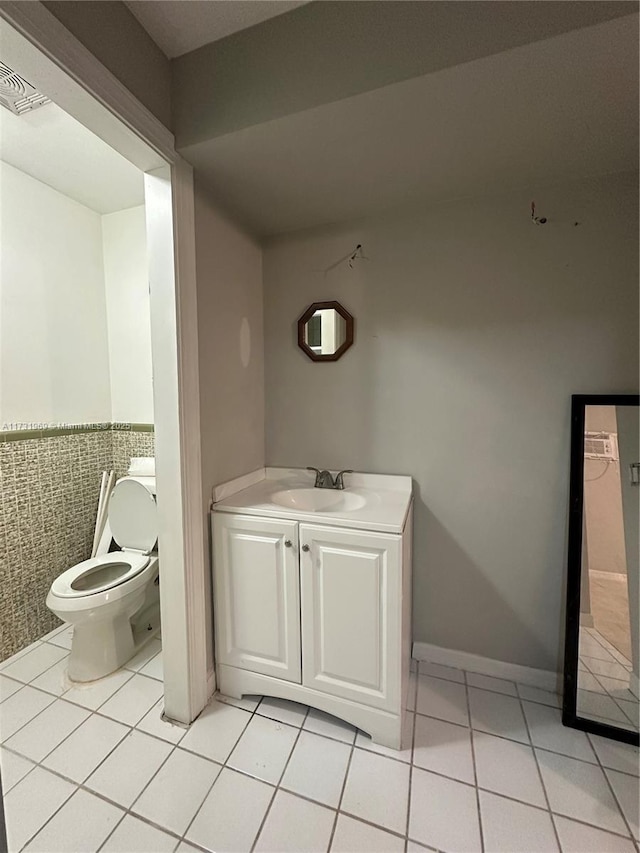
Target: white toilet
(113, 600)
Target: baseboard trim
(542, 678)
(211, 683)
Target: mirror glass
(608, 649)
(325, 331)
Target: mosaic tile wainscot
(49, 488)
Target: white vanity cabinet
(316, 613)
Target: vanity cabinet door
(256, 595)
(351, 614)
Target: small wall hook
(539, 220)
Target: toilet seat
(99, 574)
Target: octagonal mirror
(325, 331)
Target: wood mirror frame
(302, 337)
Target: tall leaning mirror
(602, 651)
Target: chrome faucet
(324, 480)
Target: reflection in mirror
(608, 647)
(325, 331)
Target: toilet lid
(133, 516)
(98, 574)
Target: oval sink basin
(318, 500)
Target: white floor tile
(363, 741)
(325, 724)
(443, 699)
(81, 825)
(17, 710)
(63, 638)
(183, 847)
(497, 715)
(488, 682)
(154, 669)
(626, 789)
(8, 687)
(617, 756)
(509, 826)
(547, 731)
(146, 653)
(232, 813)
(8, 661)
(535, 694)
(263, 749)
(134, 699)
(55, 679)
(591, 648)
(153, 724)
(438, 670)
(79, 755)
(507, 767)
(47, 730)
(31, 803)
(295, 826)
(31, 665)
(291, 713)
(317, 768)
(178, 790)
(578, 838)
(92, 694)
(14, 768)
(247, 703)
(353, 836)
(124, 774)
(579, 790)
(216, 731)
(632, 710)
(377, 790)
(444, 814)
(133, 834)
(443, 748)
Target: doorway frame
(79, 83)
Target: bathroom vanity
(312, 594)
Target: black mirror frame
(308, 314)
(570, 717)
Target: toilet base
(100, 648)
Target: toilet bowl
(112, 600)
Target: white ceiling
(54, 148)
(179, 26)
(559, 109)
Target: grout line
(411, 765)
(277, 787)
(342, 790)
(613, 794)
(222, 766)
(544, 789)
(473, 760)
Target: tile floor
(604, 683)
(486, 766)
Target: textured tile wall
(49, 489)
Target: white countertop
(387, 499)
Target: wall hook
(538, 220)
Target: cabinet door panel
(256, 595)
(351, 604)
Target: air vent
(16, 94)
(600, 445)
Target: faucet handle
(317, 470)
(339, 481)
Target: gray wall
(114, 35)
(473, 328)
(229, 291)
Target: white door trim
(62, 67)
